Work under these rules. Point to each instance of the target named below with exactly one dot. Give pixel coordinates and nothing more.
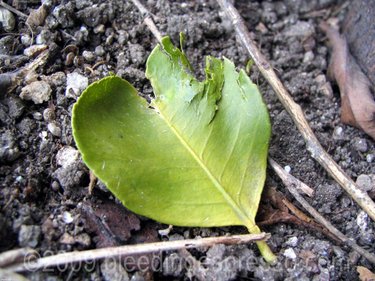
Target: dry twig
(295, 111)
(116, 252)
(148, 20)
(13, 10)
(314, 213)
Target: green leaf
(196, 156)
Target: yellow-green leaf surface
(196, 156)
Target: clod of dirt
(113, 270)
(29, 235)
(9, 150)
(72, 170)
(38, 16)
(38, 92)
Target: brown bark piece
(357, 104)
(359, 30)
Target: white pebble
(67, 156)
(362, 221)
(292, 241)
(75, 84)
(290, 254)
(287, 169)
(54, 129)
(67, 217)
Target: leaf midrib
(243, 217)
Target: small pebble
(7, 20)
(49, 114)
(292, 241)
(75, 84)
(38, 92)
(66, 238)
(338, 133)
(67, 217)
(88, 56)
(362, 221)
(54, 129)
(55, 186)
(83, 239)
(364, 182)
(369, 158)
(308, 57)
(29, 235)
(26, 39)
(67, 156)
(287, 169)
(301, 29)
(290, 254)
(99, 29)
(360, 145)
(113, 270)
(37, 116)
(34, 50)
(99, 51)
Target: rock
(64, 14)
(54, 129)
(287, 169)
(75, 84)
(66, 238)
(6, 44)
(360, 145)
(9, 150)
(308, 57)
(71, 171)
(67, 156)
(67, 217)
(44, 37)
(338, 133)
(88, 56)
(34, 50)
(137, 54)
(38, 92)
(370, 158)
(302, 29)
(49, 114)
(112, 270)
(173, 265)
(216, 252)
(99, 51)
(83, 239)
(362, 221)
(292, 241)
(137, 277)
(364, 182)
(7, 20)
(15, 106)
(290, 254)
(29, 235)
(56, 79)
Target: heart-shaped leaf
(196, 156)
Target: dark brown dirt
(43, 182)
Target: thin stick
(13, 10)
(148, 20)
(116, 252)
(295, 111)
(314, 213)
(290, 179)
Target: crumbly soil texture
(44, 198)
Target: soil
(44, 197)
